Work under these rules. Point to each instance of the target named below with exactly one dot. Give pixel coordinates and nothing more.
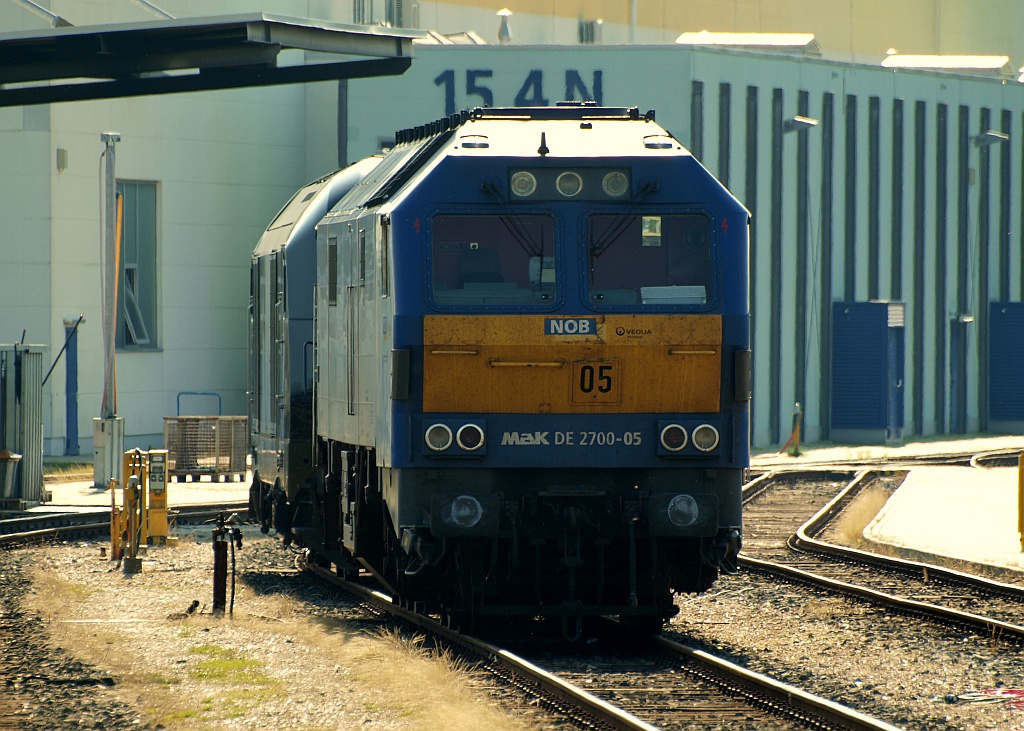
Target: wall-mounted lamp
(62, 159)
(965, 319)
(799, 124)
(990, 137)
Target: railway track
(1000, 458)
(781, 541)
(92, 522)
(666, 685)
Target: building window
(362, 12)
(136, 287)
(589, 31)
(402, 13)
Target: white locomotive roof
(510, 137)
(518, 132)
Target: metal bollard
(222, 536)
(220, 565)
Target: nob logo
(570, 326)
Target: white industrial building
(868, 181)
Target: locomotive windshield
(649, 260)
(493, 260)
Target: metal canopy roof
(167, 56)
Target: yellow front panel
(515, 364)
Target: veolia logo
(570, 326)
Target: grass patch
(227, 666)
(157, 679)
(67, 471)
(243, 700)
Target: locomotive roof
(577, 130)
(302, 212)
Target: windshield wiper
(510, 220)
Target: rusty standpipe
(223, 535)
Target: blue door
(1006, 367)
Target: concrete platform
(963, 513)
(75, 495)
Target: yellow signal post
(116, 523)
(142, 517)
(156, 517)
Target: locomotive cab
(531, 373)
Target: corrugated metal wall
(1006, 382)
(889, 196)
(21, 415)
(895, 194)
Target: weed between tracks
(850, 525)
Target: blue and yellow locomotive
(530, 370)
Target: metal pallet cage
(205, 445)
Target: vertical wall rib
(775, 251)
(957, 356)
(697, 120)
(750, 191)
(920, 246)
(896, 204)
(981, 307)
(962, 219)
(802, 258)
(724, 136)
(1004, 208)
(825, 270)
(343, 123)
(939, 285)
(874, 209)
(850, 248)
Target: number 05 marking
(595, 382)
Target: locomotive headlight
(682, 511)
(438, 437)
(569, 184)
(614, 184)
(466, 511)
(523, 183)
(673, 437)
(705, 437)
(470, 437)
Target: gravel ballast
(295, 654)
